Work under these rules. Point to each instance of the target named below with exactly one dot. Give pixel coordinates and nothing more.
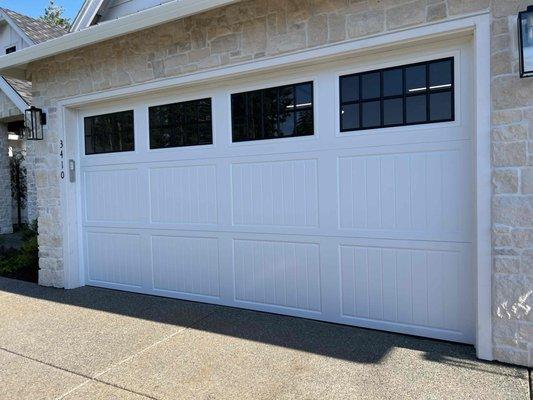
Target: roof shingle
(23, 88)
(38, 31)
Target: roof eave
(13, 95)
(16, 63)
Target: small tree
(53, 14)
(18, 183)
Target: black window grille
(406, 95)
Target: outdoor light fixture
(525, 41)
(34, 120)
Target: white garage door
(340, 192)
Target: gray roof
(23, 88)
(38, 31)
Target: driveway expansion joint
(96, 377)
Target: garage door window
(406, 95)
(273, 113)
(109, 133)
(181, 124)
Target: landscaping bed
(19, 254)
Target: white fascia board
(107, 30)
(13, 95)
(86, 15)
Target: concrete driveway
(98, 344)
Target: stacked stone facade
(7, 108)
(6, 224)
(254, 29)
(10, 112)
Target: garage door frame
(478, 26)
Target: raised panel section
(114, 258)
(418, 287)
(184, 195)
(281, 193)
(278, 273)
(186, 265)
(113, 196)
(409, 192)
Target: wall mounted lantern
(525, 42)
(34, 120)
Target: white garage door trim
(479, 24)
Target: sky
(35, 8)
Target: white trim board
(478, 25)
(13, 95)
(86, 14)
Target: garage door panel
(370, 228)
(412, 192)
(184, 195)
(278, 273)
(114, 258)
(114, 195)
(277, 193)
(186, 265)
(425, 287)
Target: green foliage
(18, 178)
(23, 263)
(18, 183)
(53, 14)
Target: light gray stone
(317, 30)
(468, 6)
(514, 297)
(511, 355)
(509, 91)
(522, 238)
(526, 262)
(506, 265)
(365, 23)
(436, 12)
(6, 223)
(527, 180)
(516, 211)
(502, 62)
(509, 133)
(501, 236)
(336, 27)
(509, 154)
(500, 26)
(505, 181)
(406, 15)
(502, 117)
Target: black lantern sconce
(34, 120)
(525, 42)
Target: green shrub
(22, 263)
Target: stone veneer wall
(7, 107)
(9, 111)
(254, 29)
(6, 223)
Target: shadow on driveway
(347, 343)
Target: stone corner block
(51, 278)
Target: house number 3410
(62, 155)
